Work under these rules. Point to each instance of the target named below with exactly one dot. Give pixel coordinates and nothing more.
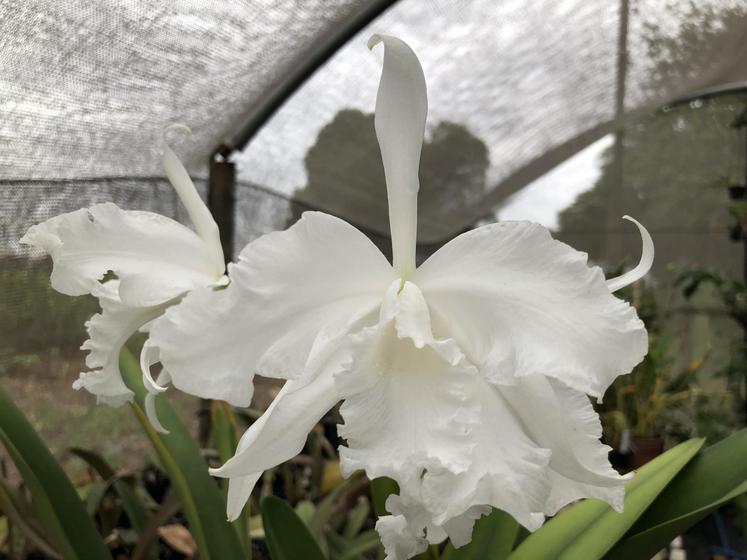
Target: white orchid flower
(156, 260)
(465, 379)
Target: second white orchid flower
(155, 261)
(465, 379)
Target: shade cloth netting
(515, 87)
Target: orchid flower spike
(155, 259)
(464, 379)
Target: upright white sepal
(401, 107)
(201, 217)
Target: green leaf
(55, 500)
(717, 475)
(356, 518)
(133, 506)
(168, 507)
(96, 493)
(13, 508)
(591, 528)
(324, 510)
(492, 539)
(286, 535)
(363, 543)
(380, 489)
(200, 495)
(224, 438)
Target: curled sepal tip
(373, 41)
(149, 356)
(644, 265)
(150, 412)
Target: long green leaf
(324, 510)
(591, 528)
(13, 508)
(717, 475)
(57, 503)
(200, 495)
(363, 543)
(168, 507)
(493, 538)
(131, 503)
(381, 488)
(286, 535)
(224, 439)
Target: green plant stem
(190, 508)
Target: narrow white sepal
(201, 217)
(401, 108)
(644, 265)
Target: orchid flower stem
(190, 507)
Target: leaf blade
(132, 505)
(286, 535)
(57, 501)
(690, 497)
(493, 538)
(201, 497)
(591, 528)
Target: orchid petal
(568, 426)
(408, 531)
(428, 423)
(401, 108)
(155, 387)
(450, 462)
(286, 287)
(239, 491)
(155, 258)
(400, 537)
(108, 331)
(644, 265)
(520, 303)
(201, 217)
(281, 432)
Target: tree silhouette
(346, 176)
(674, 161)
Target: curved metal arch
(542, 164)
(302, 72)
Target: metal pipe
(221, 200)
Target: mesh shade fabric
(87, 86)
(514, 88)
(524, 84)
